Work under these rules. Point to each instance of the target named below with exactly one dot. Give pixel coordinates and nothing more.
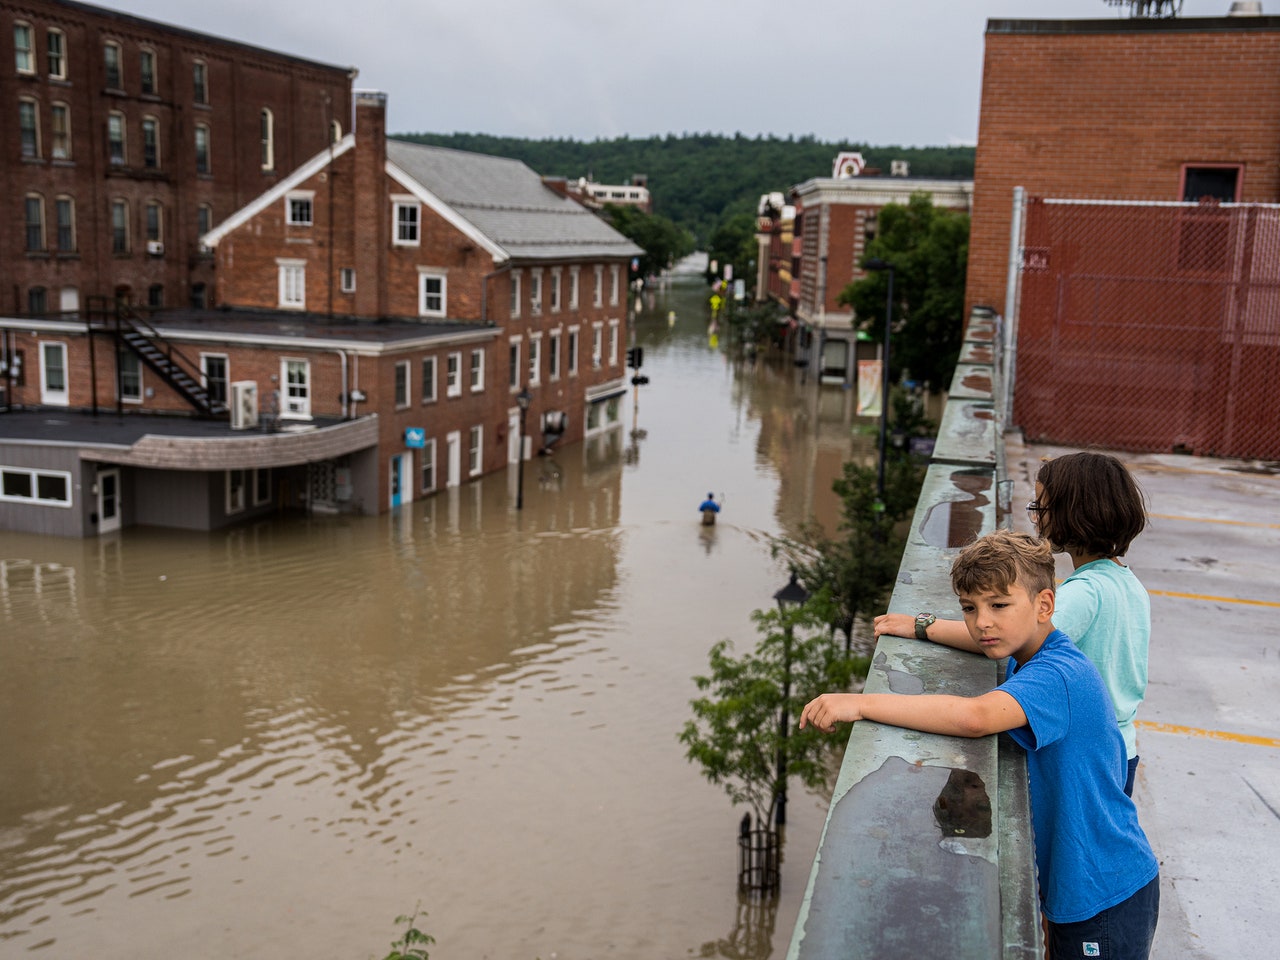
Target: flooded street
(272, 740)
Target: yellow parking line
(1199, 596)
(1234, 523)
(1210, 734)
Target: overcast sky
(905, 72)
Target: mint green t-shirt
(1106, 612)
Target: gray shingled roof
(508, 203)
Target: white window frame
(155, 129)
(54, 396)
(69, 202)
(34, 241)
(555, 289)
(267, 137)
(126, 235)
(427, 461)
(33, 111)
(35, 475)
(57, 60)
(535, 359)
(347, 279)
(60, 137)
(513, 364)
(515, 293)
(475, 451)
(113, 45)
(453, 374)
(292, 285)
(553, 356)
(116, 127)
(295, 400)
(598, 297)
(535, 291)
(24, 53)
(300, 196)
(574, 350)
(147, 87)
(426, 275)
(200, 82)
(573, 287)
(403, 389)
(157, 208)
(614, 285)
(613, 343)
(225, 379)
(597, 344)
(399, 203)
(430, 383)
(203, 157)
(124, 356)
(477, 370)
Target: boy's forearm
(928, 713)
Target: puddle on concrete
(954, 523)
(963, 808)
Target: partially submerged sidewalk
(1208, 785)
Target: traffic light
(635, 357)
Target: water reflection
(277, 737)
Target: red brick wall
(1114, 110)
(302, 95)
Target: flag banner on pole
(868, 388)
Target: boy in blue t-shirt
(1099, 880)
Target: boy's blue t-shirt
(1091, 852)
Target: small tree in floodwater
(734, 734)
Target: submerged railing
(927, 848)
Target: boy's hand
(826, 711)
(895, 624)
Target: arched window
(150, 143)
(29, 127)
(60, 131)
(57, 55)
(115, 139)
(23, 55)
(202, 148)
(33, 208)
(111, 65)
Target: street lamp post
(792, 595)
(877, 264)
(523, 399)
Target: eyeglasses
(1034, 510)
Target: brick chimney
(371, 207)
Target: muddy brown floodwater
(271, 740)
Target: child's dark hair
(1001, 559)
(1090, 503)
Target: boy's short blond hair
(1001, 559)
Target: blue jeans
(1122, 932)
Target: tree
(929, 249)
(735, 733)
(857, 566)
(662, 241)
(734, 241)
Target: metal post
(1012, 289)
(884, 387)
(524, 415)
(782, 726)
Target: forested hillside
(700, 180)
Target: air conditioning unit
(244, 405)
(155, 248)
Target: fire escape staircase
(163, 358)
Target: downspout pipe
(342, 355)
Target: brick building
(1144, 297)
(810, 247)
(385, 311)
(126, 139)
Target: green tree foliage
(700, 179)
(734, 241)
(662, 241)
(857, 566)
(929, 249)
(734, 734)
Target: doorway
(108, 500)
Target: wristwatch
(923, 622)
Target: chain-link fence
(1150, 326)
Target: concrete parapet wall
(927, 850)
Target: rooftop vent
(1245, 8)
